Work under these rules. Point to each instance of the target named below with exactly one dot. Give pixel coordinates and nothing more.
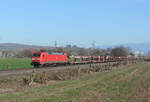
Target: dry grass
(93, 96)
(142, 90)
(18, 83)
(127, 83)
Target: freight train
(53, 58)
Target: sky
(75, 22)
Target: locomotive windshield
(55, 53)
(36, 54)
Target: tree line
(75, 50)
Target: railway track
(42, 69)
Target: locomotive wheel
(36, 65)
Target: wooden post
(79, 72)
(8, 66)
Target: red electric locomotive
(53, 58)
(46, 58)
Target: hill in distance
(14, 46)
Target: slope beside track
(42, 69)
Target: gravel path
(30, 70)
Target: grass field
(14, 63)
(125, 84)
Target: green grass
(115, 86)
(15, 63)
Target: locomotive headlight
(33, 58)
(37, 58)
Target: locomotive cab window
(36, 54)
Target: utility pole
(55, 45)
(93, 44)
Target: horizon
(143, 48)
(39, 22)
(90, 46)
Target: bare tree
(120, 51)
(148, 54)
(25, 53)
(82, 52)
(98, 52)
